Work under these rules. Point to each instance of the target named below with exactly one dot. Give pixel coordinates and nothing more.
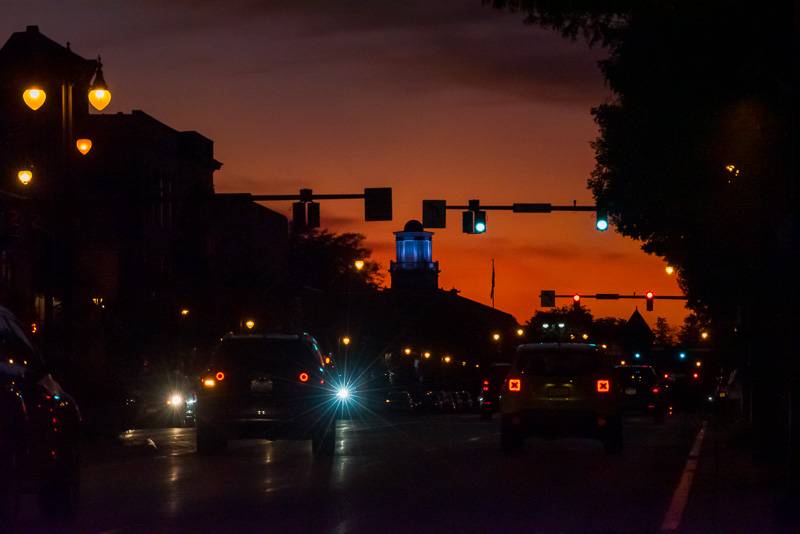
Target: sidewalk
(732, 494)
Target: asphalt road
(389, 474)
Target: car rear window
(282, 357)
(559, 362)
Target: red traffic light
(650, 296)
(576, 301)
(576, 298)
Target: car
(274, 386)
(560, 390)
(40, 427)
(491, 386)
(641, 390)
(466, 400)
(400, 401)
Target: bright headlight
(343, 393)
(175, 399)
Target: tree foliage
(694, 157)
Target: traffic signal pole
(434, 212)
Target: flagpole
(492, 293)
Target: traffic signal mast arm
(525, 208)
(617, 296)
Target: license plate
(261, 386)
(630, 391)
(558, 393)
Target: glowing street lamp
(496, 336)
(25, 176)
(34, 97)
(407, 351)
(447, 359)
(99, 95)
(704, 335)
(346, 340)
(359, 264)
(670, 270)
(249, 324)
(520, 332)
(84, 145)
(427, 355)
(184, 312)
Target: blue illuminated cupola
(414, 268)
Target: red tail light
(603, 386)
(656, 390)
(514, 384)
(220, 376)
(303, 377)
(695, 376)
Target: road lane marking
(674, 515)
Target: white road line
(674, 515)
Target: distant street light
(669, 269)
(249, 324)
(447, 359)
(84, 145)
(520, 332)
(427, 355)
(184, 312)
(346, 340)
(25, 176)
(704, 335)
(34, 97)
(359, 264)
(496, 336)
(585, 336)
(407, 351)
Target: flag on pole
(491, 295)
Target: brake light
(303, 377)
(695, 376)
(603, 386)
(220, 376)
(485, 382)
(656, 390)
(514, 384)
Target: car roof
(290, 337)
(557, 346)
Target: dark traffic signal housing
(473, 222)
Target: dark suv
(39, 428)
(274, 386)
(560, 389)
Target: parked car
(39, 429)
(400, 401)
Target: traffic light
(601, 220)
(480, 222)
(377, 203)
(299, 216)
(312, 215)
(576, 301)
(467, 222)
(649, 297)
(547, 298)
(473, 222)
(434, 213)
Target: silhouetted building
(122, 238)
(638, 335)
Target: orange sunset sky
(447, 99)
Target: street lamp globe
(520, 332)
(34, 97)
(250, 324)
(346, 340)
(25, 176)
(359, 264)
(496, 336)
(99, 94)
